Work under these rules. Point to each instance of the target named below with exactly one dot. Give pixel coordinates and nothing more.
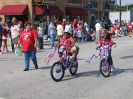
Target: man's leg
(12, 45)
(97, 37)
(52, 40)
(41, 42)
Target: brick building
(28, 10)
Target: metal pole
(127, 5)
(120, 12)
(47, 22)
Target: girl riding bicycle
(68, 42)
(106, 40)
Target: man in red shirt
(130, 27)
(29, 39)
(63, 23)
(74, 24)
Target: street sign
(112, 3)
(88, 7)
(39, 2)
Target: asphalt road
(88, 83)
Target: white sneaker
(112, 68)
(1, 52)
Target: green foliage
(123, 8)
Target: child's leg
(6, 46)
(110, 59)
(3, 47)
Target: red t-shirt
(74, 24)
(109, 42)
(67, 42)
(28, 40)
(63, 24)
(5, 32)
(130, 27)
(116, 27)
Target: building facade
(70, 9)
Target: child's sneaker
(112, 68)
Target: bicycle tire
(73, 67)
(105, 73)
(62, 69)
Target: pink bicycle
(65, 62)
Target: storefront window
(23, 18)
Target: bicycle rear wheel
(105, 68)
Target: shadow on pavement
(125, 57)
(83, 74)
(119, 71)
(45, 67)
(97, 73)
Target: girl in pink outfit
(79, 33)
(4, 38)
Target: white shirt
(98, 27)
(40, 31)
(68, 28)
(59, 29)
(15, 31)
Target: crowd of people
(66, 32)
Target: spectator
(4, 38)
(98, 28)
(20, 26)
(130, 27)
(116, 28)
(12, 45)
(74, 24)
(29, 39)
(52, 33)
(55, 23)
(15, 31)
(80, 33)
(69, 27)
(40, 36)
(0, 35)
(63, 23)
(59, 31)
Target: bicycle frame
(64, 57)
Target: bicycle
(65, 62)
(105, 68)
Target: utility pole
(120, 13)
(127, 5)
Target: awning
(21, 9)
(54, 10)
(75, 11)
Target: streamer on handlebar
(50, 56)
(94, 55)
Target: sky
(124, 2)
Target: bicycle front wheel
(57, 71)
(105, 68)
